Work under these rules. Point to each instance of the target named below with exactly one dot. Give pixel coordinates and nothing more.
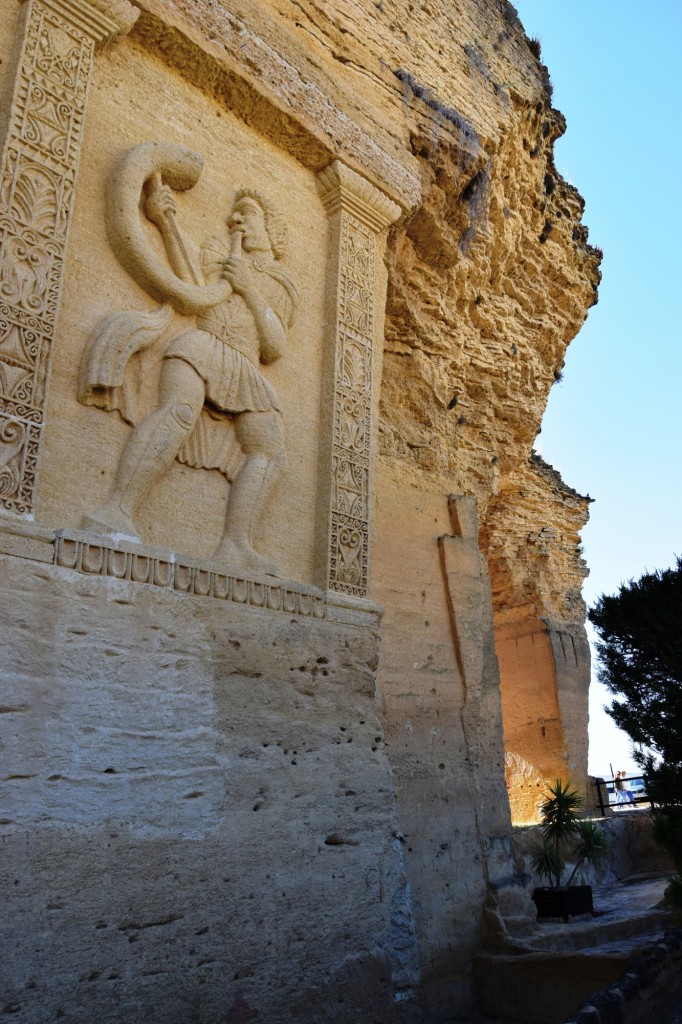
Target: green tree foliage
(640, 655)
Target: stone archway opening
(535, 749)
(536, 573)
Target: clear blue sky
(613, 427)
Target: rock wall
(230, 797)
(489, 280)
(198, 810)
(537, 571)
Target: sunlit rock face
(285, 590)
(489, 280)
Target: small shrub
(535, 47)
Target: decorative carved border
(95, 557)
(37, 181)
(357, 212)
(106, 558)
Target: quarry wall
(284, 289)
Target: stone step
(588, 933)
(546, 976)
(549, 985)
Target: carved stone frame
(57, 40)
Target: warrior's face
(248, 218)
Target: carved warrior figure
(243, 301)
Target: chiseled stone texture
(198, 812)
(444, 735)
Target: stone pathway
(628, 918)
(618, 903)
(630, 895)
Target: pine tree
(640, 655)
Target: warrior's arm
(160, 209)
(271, 331)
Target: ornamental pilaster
(358, 214)
(41, 142)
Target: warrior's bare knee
(183, 414)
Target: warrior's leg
(261, 436)
(152, 447)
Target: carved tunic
(225, 348)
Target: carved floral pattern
(351, 487)
(357, 278)
(22, 362)
(48, 122)
(12, 439)
(349, 553)
(359, 212)
(37, 178)
(18, 460)
(348, 561)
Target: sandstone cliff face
(489, 280)
(491, 276)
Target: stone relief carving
(352, 408)
(37, 182)
(358, 212)
(215, 407)
(37, 179)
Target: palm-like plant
(547, 863)
(590, 847)
(563, 831)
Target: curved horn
(181, 169)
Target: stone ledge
(116, 558)
(26, 540)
